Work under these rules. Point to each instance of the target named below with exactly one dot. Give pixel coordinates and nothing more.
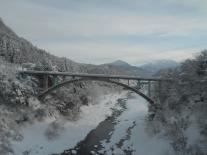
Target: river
(116, 125)
(124, 133)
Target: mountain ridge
(18, 50)
(155, 66)
(119, 63)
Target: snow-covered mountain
(158, 65)
(5, 29)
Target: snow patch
(132, 123)
(71, 132)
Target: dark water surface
(92, 143)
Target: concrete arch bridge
(121, 80)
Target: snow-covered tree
(183, 106)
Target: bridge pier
(159, 88)
(64, 77)
(45, 82)
(149, 88)
(54, 80)
(138, 84)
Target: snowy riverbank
(69, 133)
(124, 133)
(130, 136)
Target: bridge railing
(92, 75)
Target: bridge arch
(55, 87)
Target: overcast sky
(99, 31)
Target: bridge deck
(91, 75)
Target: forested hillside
(182, 110)
(17, 50)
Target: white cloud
(41, 24)
(35, 21)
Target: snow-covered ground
(130, 133)
(69, 133)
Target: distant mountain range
(148, 69)
(158, 65)
(126, 68)
(18, 50)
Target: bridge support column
(45, 82)
(64, 77)
(138, 84)
(149, 88)
(118, 80)
(159, 88)
(55, 80)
